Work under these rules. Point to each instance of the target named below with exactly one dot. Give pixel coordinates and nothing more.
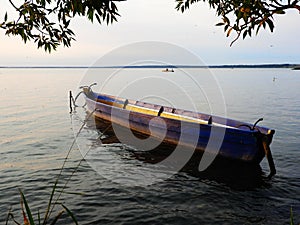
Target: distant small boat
(168, 70)
(243, 142)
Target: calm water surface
(36, 133)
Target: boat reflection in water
(233, 173)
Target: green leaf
(244, 34)
(280, 12)
(226, 20)
(39, 217)
(229, 31)
(107, 19)
(98, 18)
(250, 32)
(57, 217)
(220, 24)
(28, 211)
(70, 214)
(67, 23)
(50, 202)
(271, 25)
(226, 27)
(258, 29)
(90, 15)
(291, 216)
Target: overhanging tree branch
(47, 22)
(245, 16)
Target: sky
(156, 20)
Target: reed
(28, 214)
(291, 216)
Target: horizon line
(271, 65)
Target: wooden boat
(168, 70)
(241, 141)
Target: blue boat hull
(238, 144)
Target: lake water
(37, 131)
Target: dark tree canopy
(46, 22)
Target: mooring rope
(47, 216)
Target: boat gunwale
(239, 130)
(240, 126)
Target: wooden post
(70, 101)
(268, 154)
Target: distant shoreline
(291, 66)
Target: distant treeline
(292, 66)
